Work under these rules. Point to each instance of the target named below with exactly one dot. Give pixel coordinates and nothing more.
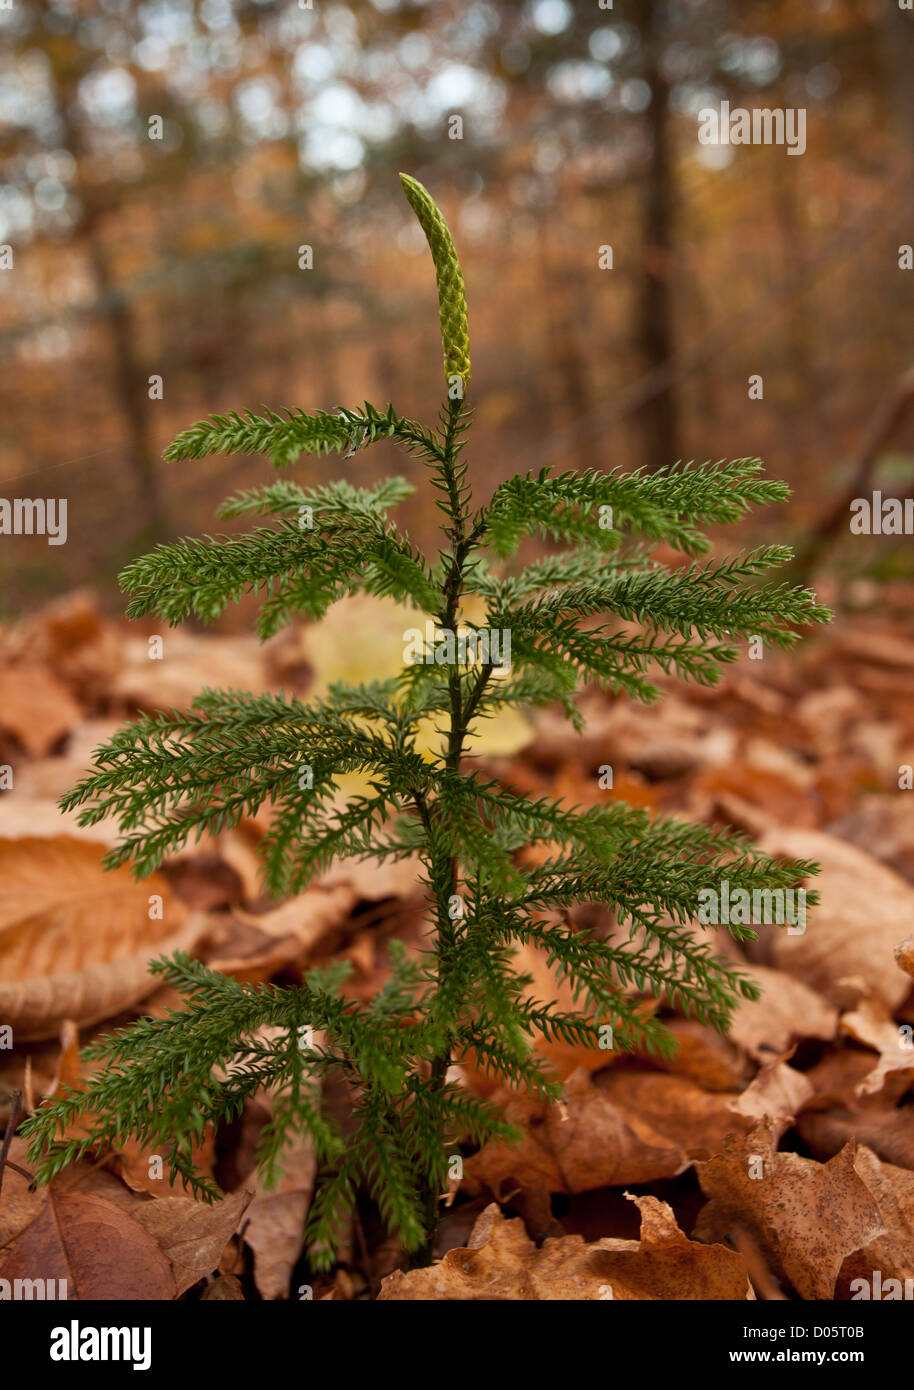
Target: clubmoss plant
(595, 610)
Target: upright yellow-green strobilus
(452, 300)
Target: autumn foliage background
(178, 257)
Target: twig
(12, 1122)
(23, 1172)
(885, 421)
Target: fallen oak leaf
(501, 1263)
(665, 1264)
(806, 1217)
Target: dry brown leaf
(19, 1205)
(787, 1011)
(191, 662)
(778, 1093)
(806, 1217)
(585, 1142)
(665, 1264)
(501, 1263)
(26, 817)
(134, 1165)
(892, 1254)
(889, 1133)
(101, 1251)
(869, 1024)
(274, 1224)
(72, 638)
(702, 1055)
(36, 709)
(674, 1107)
(89, 1219)
(851, 935)
(75, 940)
(192, 1235)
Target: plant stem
(445, 875)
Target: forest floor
(775, 1162)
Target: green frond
(600, 611)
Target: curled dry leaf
(75, 940)
(777, 1094)
(869, 1024)
(892, 1253)
(904, 955)
(851, 935)
(806, 1217)
(501, 1263)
